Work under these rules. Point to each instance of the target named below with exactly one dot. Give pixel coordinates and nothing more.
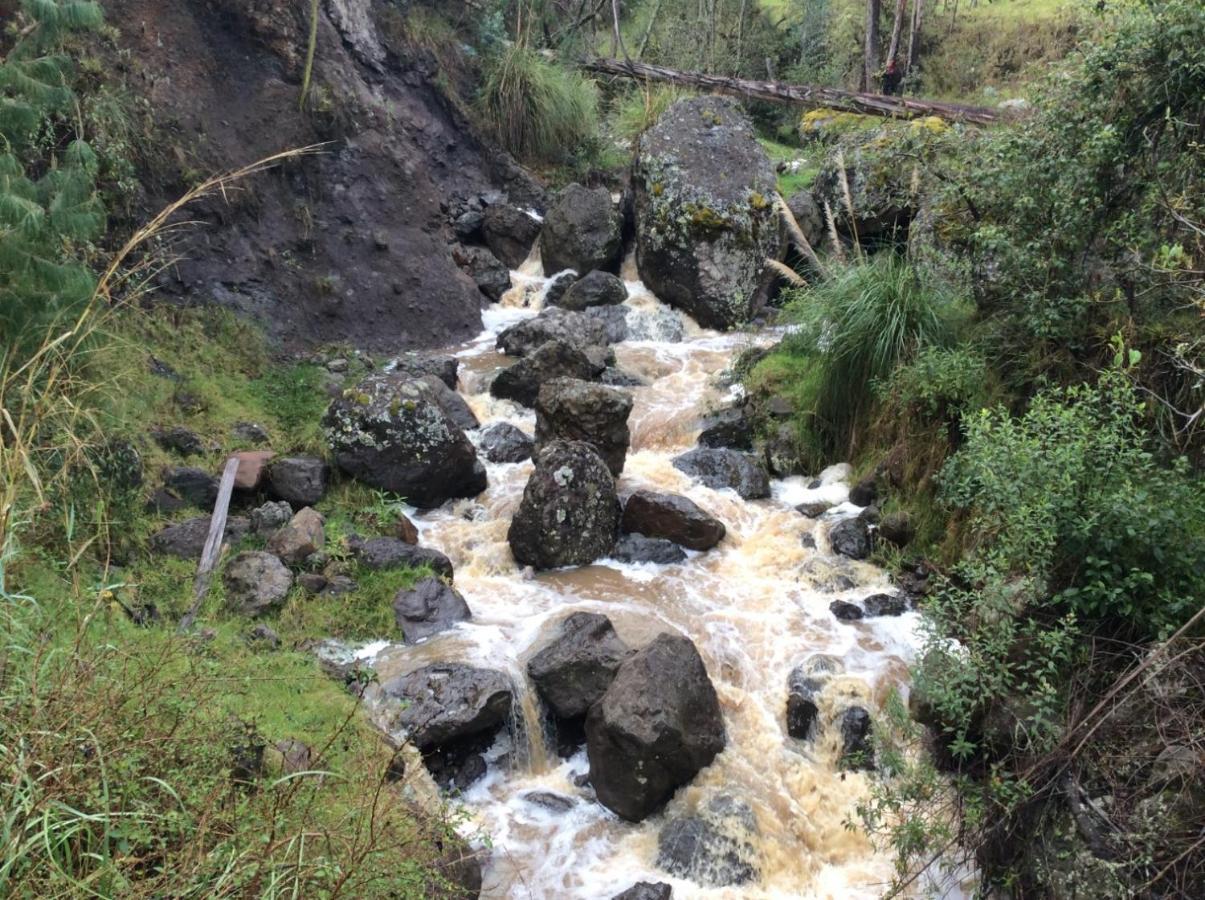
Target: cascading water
(755, 606)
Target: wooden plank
(801, 94)
(213, 542)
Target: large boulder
(578, 329)
(256, 582)
(647, 890)
(851, 538)
(673, 517)
(568, 409)
(595, 290)
(714, 847)
(509, 233)
(857, 746)
(554, 359)
(454, 405)
(705, 217)
(431, 606)
(416, 365)
(502, 442)
(192, 485)
(186, 540)
(658, 724)
(582, 231)
(302, 536)
(393, 433)
(614, 319)
(490, 275)
(447, 701)
(573, 672)
(723, 468)
(569, 515)
(298, 480)
(728, 427)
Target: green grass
(790, 182)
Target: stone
(885, 605)
(502, 442)
(569, 514)
(865, 492)
(298, 539)
(186, 540)
(595, 289)
(250, 433)
(897, 528)
(340, 586)
(578, 329)
(614, 320)
(804, 686)
(569, 409)
(405, 530)
(558, 804)
(647, 890)
(808, 216)
(252, 465)
(814, 509)
(431, 606)
(636, 548)
(394, 434)
(673, 517)
(782, 451)
(846, 612)
(194, 486)
(467, 226)
(582, 231)
(454, 406)
(729, 427)
(619, 378)
(393, 553)
(490, 275)
(266, 520)
(555, 359)
(557, 286)
(722, 468)
(164, 502)
(298, 480)
(338, 366)
(294, 756)
(256, 583)
(416, 365)
(312, 583)
(705, 218)
(851, 538)
(443, 702)
(857, 751)
(262, 635)
(656, 727)
(178, 439)
(575, 669)
(509, 232)
(714, 847)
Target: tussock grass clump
(638, 110)
(536, 109)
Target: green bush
(537, 110)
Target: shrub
(537, 110)
(636, 111)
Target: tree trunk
(871, 56)
(799, 94)
(897, 25)
(644, 41)
(918, 11)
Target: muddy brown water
(755, 607)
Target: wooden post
(213, 543)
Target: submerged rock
(658, 724)
(636, 548)
(715, 847)
(570, 409)
(575, 669)
(705, 218)
(554, 359)
(431, 606)
(502, 442)
(728, 427)
(673, 517)
(256, 582)
(569, 515)
(394, 434)
(722, 468)
(647, 890)
(582, 231)
(804, 685)
(614, 319)
(657, 324)
(857, 751)
(885, 605)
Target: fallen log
(800, 94)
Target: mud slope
(351, 245)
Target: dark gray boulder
(594, 290)
(885, 605)
(804, 685)
(845, 611)
(178, 439)
(851, 538)
(454, 405)
(444, 702)
(416, 365)
(394, 553)
(554, 359)
(582, 231)
(715, 847)
(578, 329)
(569, 409)
(658, 724)
(575, 669)
(431, 606)
(636, 548)
(502, 442)
(814, 509)
(269, 517)
(569, 515)
(673, 517)
(723, 468)
(728, 427)
(186, 540)
(614, 319)
(556, 288)
(194, 486)
(509, 232)
(490, 275)
(298, 480)
(393, 433)
(808, 216)
(857, 749)
(256, 583)
(705, 218)
(647, 890)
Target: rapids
(755, 607)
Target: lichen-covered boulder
(256, 582)
(503, 442)
(447, 701)
(569, 515)
(393, 433)
(578, 329)
(705, 218)
(570, 409)
(582, 231)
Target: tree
(871, 57)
